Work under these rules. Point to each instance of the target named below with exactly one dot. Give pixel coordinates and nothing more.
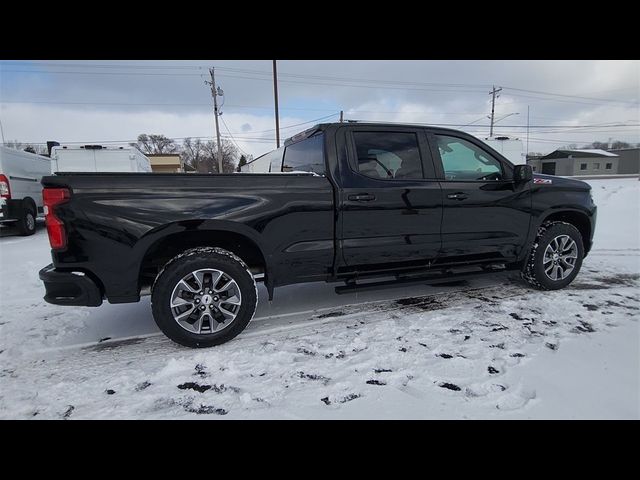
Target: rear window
(305, 156)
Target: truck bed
(117, 219)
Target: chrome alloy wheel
(205, 301)
(560, 257)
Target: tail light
(55, 228)
(5, 189)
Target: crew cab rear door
(390, 200)
(485, 214)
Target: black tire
(533, 271)
(181, 266)
(27, 223)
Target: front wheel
(555, 258)
(204, 297)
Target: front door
(485, 214)
(391, 204)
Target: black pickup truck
(349, 202)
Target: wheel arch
(165, 243)
(577, 218)
(31, 203)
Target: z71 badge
(542, 180)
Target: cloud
(98, 103)
(37, 124)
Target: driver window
(388, 155)
(462, 160)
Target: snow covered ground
(486, 348)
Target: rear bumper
(70, 288)
(10, 210)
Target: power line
(232, 139)
(381, 83)
(632, 103)
(203, 104)
(388, 87)
(106, 73)
(289, 126)
(251, 71)
(564, 95)
(207, 104)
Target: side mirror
(522, 173)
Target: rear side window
(305, 156)
(388, 155)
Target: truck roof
(323, 126)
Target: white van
(20, 189)
(98, 158)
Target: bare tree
(619, 144)
(229, 156)
(192, 152)
(203, 156)
(27, 147)
(154, 144)
(15, 144)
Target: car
(358, 203)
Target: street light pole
(500, 119)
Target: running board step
(408, 280)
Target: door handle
(362, 197)
(457, 196)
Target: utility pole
(275, 96)
(2, 131)
(214, 93)
(527, 152)
(493, 106)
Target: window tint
(388, 155)
(462, 160)
(305, 156)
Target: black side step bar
(352, 286)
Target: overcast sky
(570, 102)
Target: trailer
(99, 159)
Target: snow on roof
(593, 151)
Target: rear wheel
(555, 258)
(204, 297)
(27, 223)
